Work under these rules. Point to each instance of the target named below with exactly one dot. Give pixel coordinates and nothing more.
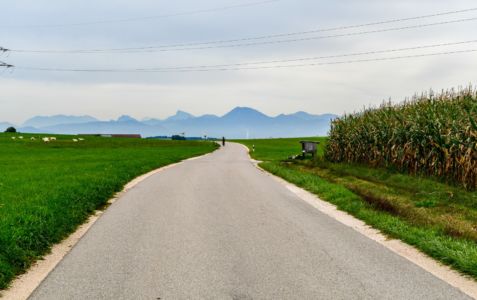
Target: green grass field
(438, 219)
(47, 190)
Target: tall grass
(432, 134)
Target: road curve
(218, 228)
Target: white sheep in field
(75, 140)
(32, 138)
(13, 137)
(52, 138)
(20, 137)
(80, 139)
(46, 139)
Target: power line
(136, 19)
(315, 57)
(354, 61)
(345, 27)
(160, 48)
(320, 57)
(249, 68)
(5, 65)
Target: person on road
(223, 141)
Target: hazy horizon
(114, 118)
(240, 122)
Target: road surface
(218, 228)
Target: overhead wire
(136, 19)
(152, 70)
(245, 65)
(160, 48)
(373, 52)
(5, 65)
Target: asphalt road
(218, 228)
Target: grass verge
(47, 190)
(438, 219)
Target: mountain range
(241, 122)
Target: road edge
(25, 284)
(465, 284)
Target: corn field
(430, 134)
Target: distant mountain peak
(303, 115)
(180, 115)
(240, 122)
(126, 118)
(244, 111)
(45, 121)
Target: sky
(325, 87)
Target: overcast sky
(25, 25)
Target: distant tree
(178, 138)
(11, 129)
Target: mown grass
(47, 190)
(438, 219)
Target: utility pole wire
(249, 68)
(345, 27)
(170, 47)
(321, 57)
(5, 65)
(372, 52)
(137, 19)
